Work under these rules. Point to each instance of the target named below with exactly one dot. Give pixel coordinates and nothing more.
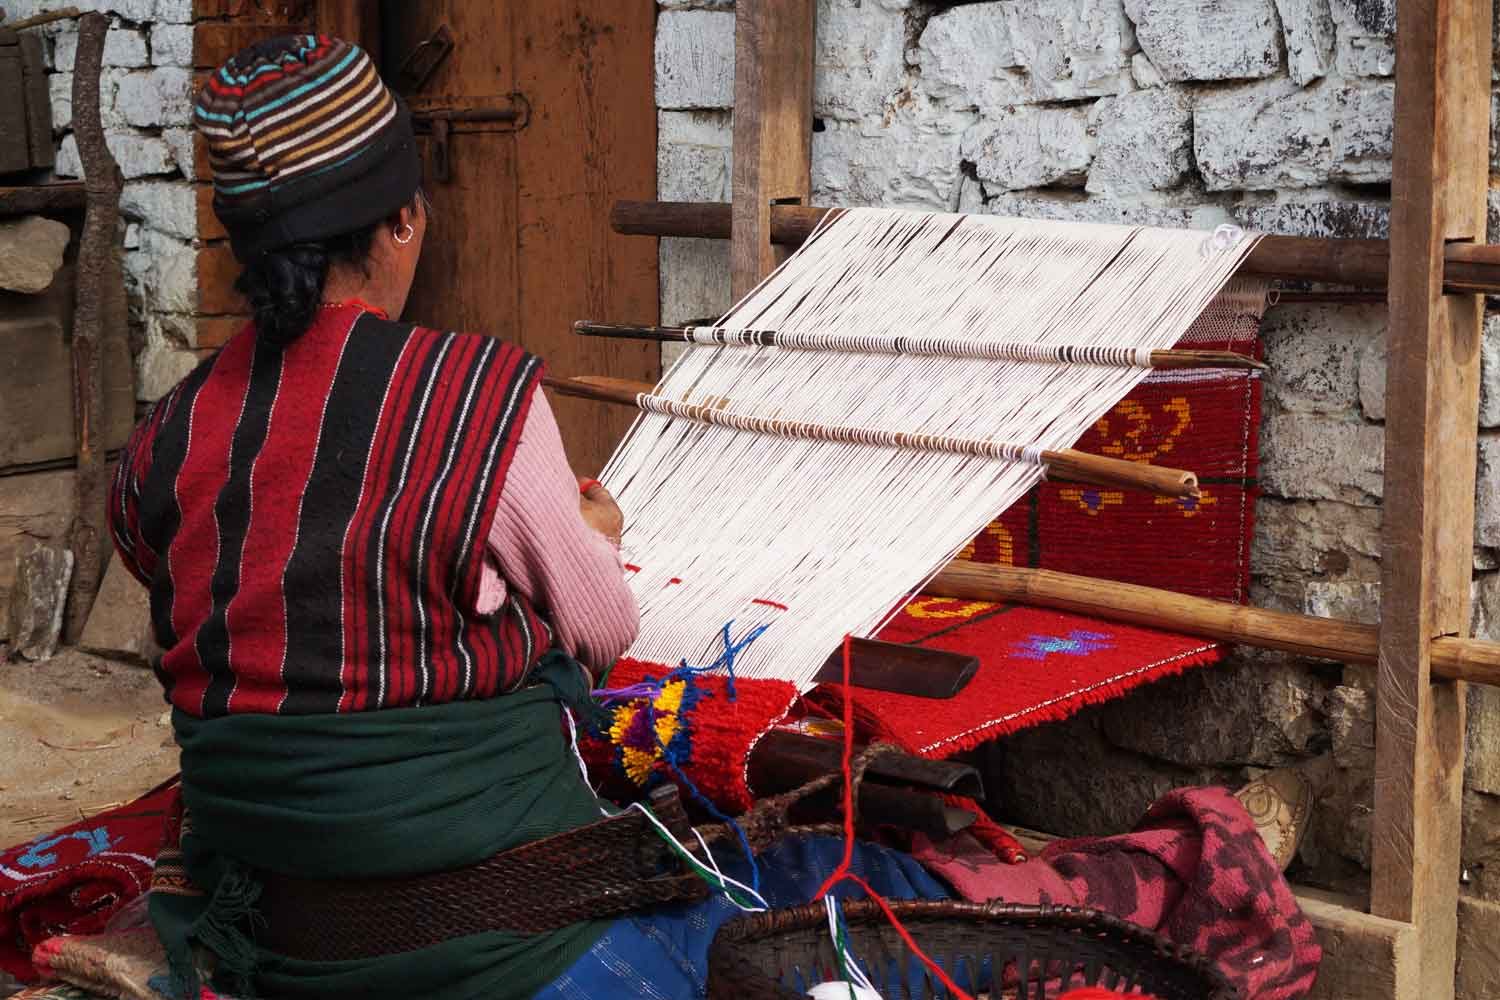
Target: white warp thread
(818, 538)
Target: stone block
(1145, 142)
(172, 45)
(138, 154)
(1343, 599)
(1150, 209)
(693, 155)
(1327, 217)
(1482, 757)
(163, 361)
(1351, 725)
(1208, 40)
(1489, 368)
(31, 251)
(36, 370)
(967, 58)
(1364, 113)
(1313, 457)
(694, 59)
(155, 97)
(1072, 48)
(1365, 55)
(119, 624)
(1143, 73)
(1375, 17)
(1307, 29)
(1029, 147)
(1314, 353)
(1372, 371)
(1478, 974)
(1299, 539)
(123, 47)
(60, 94)
(859, 61)
(694, 280)
(168, 206)
(180, 142)
(903, 160)
(1264, 135)
(35, 507)
(174, 11)
(1487, 491)
(1264, 714)
(38, 595)
(164, 272)
(1481, 843)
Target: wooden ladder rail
(1439, 180)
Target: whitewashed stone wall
(146, 107)
(1273, 114)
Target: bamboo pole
(768, 338)
(1305, 635)
(1072, 466)
(1468, 267)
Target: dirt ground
(78, 734)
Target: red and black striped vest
(311, 522)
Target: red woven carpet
(1038, 666)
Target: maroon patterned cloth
(1194, 870)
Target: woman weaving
(378, 587)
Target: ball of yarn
(841, 991)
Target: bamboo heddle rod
(1468, 267)
(683, 335)
(1073, 466)
(1306, 635)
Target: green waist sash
(373, 794)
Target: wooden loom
(1433, 269)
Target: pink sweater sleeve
(542, 547)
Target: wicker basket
(1044, 950)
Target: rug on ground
(71, 881)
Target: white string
(822, 537)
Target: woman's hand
(600, 511)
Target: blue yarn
(670, 757)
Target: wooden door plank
(467, 279)
(356, 21)
(586, 69)
(1439, 177)
(773, 74)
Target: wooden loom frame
(1432, 268)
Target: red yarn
(1099, 993)
(842, 871)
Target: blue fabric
(663, 955)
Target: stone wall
(145, 104)
(1272, 114)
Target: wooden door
(519, 246)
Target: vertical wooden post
(356, 21)
(1439, 179)
(773, 75)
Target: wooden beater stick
(683, 334)
(1306, 635)
(1072, 466)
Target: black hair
(285, 286)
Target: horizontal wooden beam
(29, 199)
(1306, 635)
(769, 338)
(1468, 267)
(1069, 465)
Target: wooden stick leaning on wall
(1468, 267)
(89, 535)
(1072, 466)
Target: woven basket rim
(759, 926)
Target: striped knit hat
(305, 142)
